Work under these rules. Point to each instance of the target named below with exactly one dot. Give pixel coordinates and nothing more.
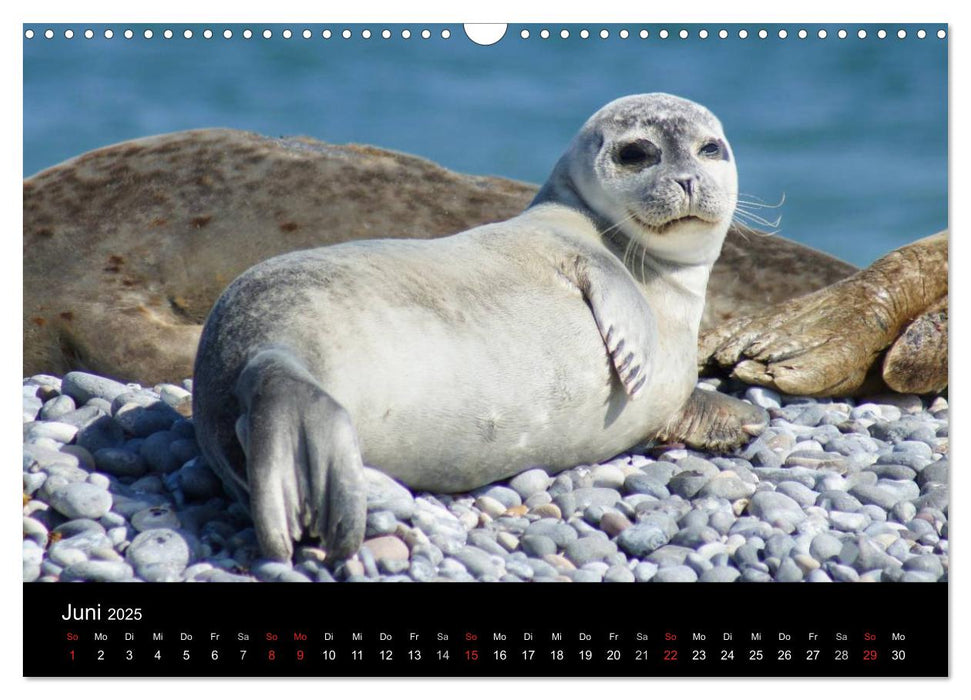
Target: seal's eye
(712, 149)
(638, 153)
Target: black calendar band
(485, 630)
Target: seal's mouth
(667, 225)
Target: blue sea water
(852, 133)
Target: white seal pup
(562, 336)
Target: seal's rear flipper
(713, 421)
(303, 464)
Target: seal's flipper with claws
(303, 463)
(626, 322)
(716, 422)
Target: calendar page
(655, 311)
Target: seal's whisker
(754, 201)
(744, 228)
(755, 218)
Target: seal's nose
(687, 183)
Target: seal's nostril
(687, 184)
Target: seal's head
(655, 169)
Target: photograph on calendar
(565, 303)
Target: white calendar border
(708, 11)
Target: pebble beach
(115, 489)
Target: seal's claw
(715, 422)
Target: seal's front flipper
(625, 320)
(715, 422)
(303, 464)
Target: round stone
(607, 476)
(120, 462)
(78, 499)
(96, 570)
(776, 508)
(642, 539)
(155, 517)
(57, 407)
(618, 573)
(384, 493)
(588, 549)
(503, 494)
(719, 574)
(727, 485)
(159, 555)
(82, 386)
(538, 545)
(872, 494)
(613, 523)
(825, 546)
(688, 483)
(675, 574)
(477, 562)
(530, 482)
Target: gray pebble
(478, 562)
(120, 462)
(618, 574)
(537, 545)
(522, 569)
(503, 494)
(530, 483)
(720, 574)
(935, 472)
(825, 546)
(159, 555)
(380, 522)
(155, 517)
(892, 471)
(558, 531)
(645, 484)
(675, 574)
(587, 576)
(688, 483)
(607, 476)
(33, 481)
(384, 493)
(100, 433)
(776, 508)
(57, 407)
(198, 482)
(143, 421)
(642, 539)
(802, 495)
(31, 407)
(815, 459)
(849, 522)
(486, 541)
(875, 495)
(727, 486)
(155, 451)
(788, 571)
(59, 432)
(33, 557)
(77, 499)
(79, 526)
(927, 563)
(763, 397)
(695, 536)
(588, 549)
(94, 570)
(82, 386)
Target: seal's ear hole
(639, 153)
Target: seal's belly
(452, 403)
